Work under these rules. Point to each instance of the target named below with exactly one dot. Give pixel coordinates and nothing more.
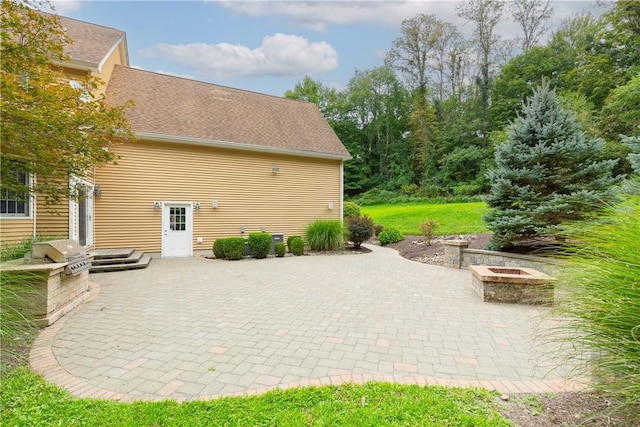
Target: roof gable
(91, 43)
(189, 109)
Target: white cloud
(64, 7)
(279, 55)
(317, 15)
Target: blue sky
(268, 46)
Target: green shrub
(377, 229)
(325, 235)
(427, 228)
(289, 239)
(297, 246)
(390, 235)
(280, 249)
(409, 189)
(234, 248)
(218, 248)
(432, 191)
(467, 190)
(434, 194)
(598, 293)
(360, 229)
(350, 209)
(259, 244)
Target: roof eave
(150, 136)
(113, 48)
(79, 64)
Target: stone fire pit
(512, 285)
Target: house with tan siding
(209, 162)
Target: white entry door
(81, 213)
(177, 230)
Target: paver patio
(194, 328)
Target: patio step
(129, 258)
(107, 260)
(100, 254)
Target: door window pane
(177, 219)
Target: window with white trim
(14, 204)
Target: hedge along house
(210, 161)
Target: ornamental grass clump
(325, 235)
(259, 244)
(17, 330)
(599, 301)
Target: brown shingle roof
(184, 108)
(91, 42)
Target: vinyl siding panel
(53, 220)
(248, 193)
(15, 230)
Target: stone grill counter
(55, 280)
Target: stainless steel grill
(61, 251)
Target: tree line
(428, 121)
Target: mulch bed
(417, 248)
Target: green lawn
(453, 218)
(27, 400)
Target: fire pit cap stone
(489, 273)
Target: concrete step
(132, 258)
(112, 253)
(143, 262)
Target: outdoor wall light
(97, 191)
(263, 228)
(214, 204)
(242, 229)
(275, 169)
(156, 205)
(197, 205)
(330, 206)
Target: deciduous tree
(52, 128)
(485, 15)
(531, 15)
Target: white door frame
(74, 212)
(166, 228)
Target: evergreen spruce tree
(633, 142)
(548, 171)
